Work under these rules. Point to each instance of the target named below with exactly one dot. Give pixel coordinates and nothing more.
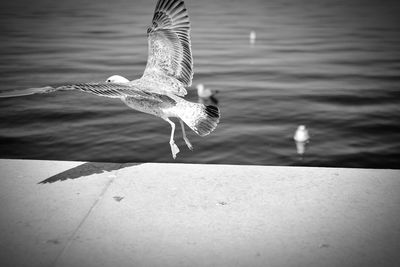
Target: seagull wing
(170, 54)
(112, 90)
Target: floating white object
(253, 37)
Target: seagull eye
(108, 80)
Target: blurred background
(331, 65)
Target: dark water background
(333, 65)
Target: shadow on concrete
(87, 169)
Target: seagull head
(117, 79)
(301, 127)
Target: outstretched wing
(112, 90)
(169, 43)
(27, 91)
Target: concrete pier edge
(60, 213)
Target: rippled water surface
(332, 65)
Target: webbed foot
(174, 149)
(189, 145)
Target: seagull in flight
(169, 70)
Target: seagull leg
(174, 147)
(189, 145)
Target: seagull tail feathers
(202, 119)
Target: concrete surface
(103, 214)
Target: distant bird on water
(301, 134)
(301, 137)
(252, 37)
(169, 70)
(206, 93)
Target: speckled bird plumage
(168, 71)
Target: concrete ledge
(103, 214)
